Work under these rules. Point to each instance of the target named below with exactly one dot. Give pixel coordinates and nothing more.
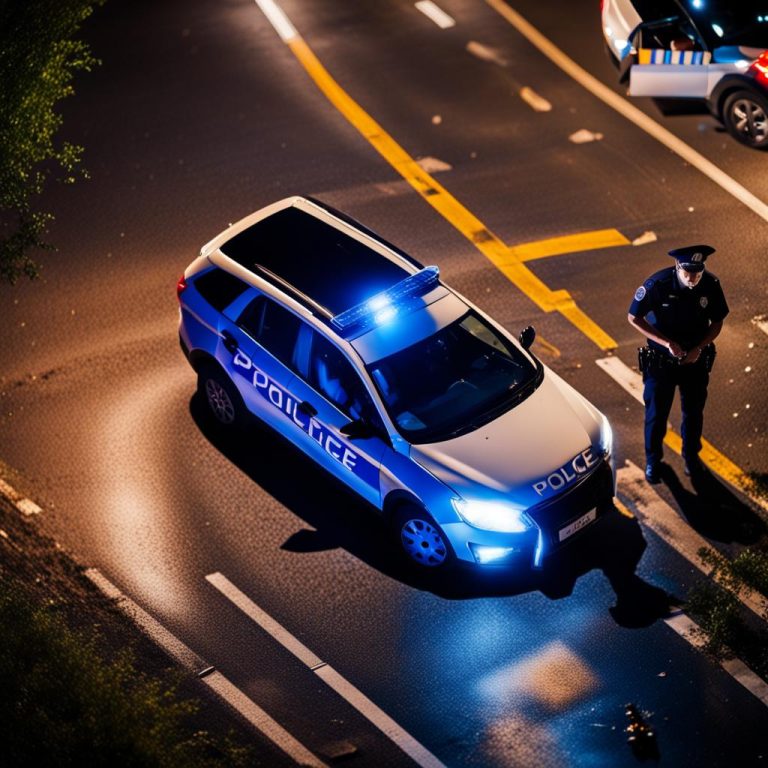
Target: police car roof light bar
(367, 311)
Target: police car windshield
(731, 22)
(452, 382)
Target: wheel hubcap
(423, 543)
(749, 118)
(219, 402)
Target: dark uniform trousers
(658, 394)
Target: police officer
(680, 310)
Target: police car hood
(505, 458)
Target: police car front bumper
(557, 522)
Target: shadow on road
(340, 519)
(713, 510)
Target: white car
(712, 51)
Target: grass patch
(65, 702)
(721, 615)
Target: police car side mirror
(527, 337)
(362, 430)
(358, 428)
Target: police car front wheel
(745, 114)
(221, 397)
(421, 539)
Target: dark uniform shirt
(677, 312)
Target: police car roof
(322, 254)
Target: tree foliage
(39, 58)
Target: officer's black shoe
(653, 473)
(694, 468)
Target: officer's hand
(675, 349)
(692, 356)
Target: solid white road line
(438, 15)
(214, 680)
(629, 111)
(343, 687)
(278, 19)
(666, 523)
(737, 669)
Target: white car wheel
(745, 114)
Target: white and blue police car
(707, 51)
(469, 446)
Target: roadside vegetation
(39, 58)
(728, 628)
(80, 685)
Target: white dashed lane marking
(534, 101)
(436, 14)
(330, 676)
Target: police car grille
(595, 490)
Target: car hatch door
(670, 61)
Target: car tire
(745, 116)
(420, 539)
(221, 397)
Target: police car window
(331, 374)
(454, 381)
(219, 288)
(250, 318)
(273, 326)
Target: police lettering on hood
(556, 481)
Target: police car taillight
(181, 285)
(759, 68)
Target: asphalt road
(199, 115)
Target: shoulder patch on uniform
(703, 301)
(640, 293)
(649, 283)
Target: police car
(469, 446)
(713, 51)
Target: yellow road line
(500, 255)
(557, 246)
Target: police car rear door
(331, 385)
(259, 342)
(671, 61)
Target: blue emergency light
(384, 306)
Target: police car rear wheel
(223, 402)
(745, 114)
(421, 539)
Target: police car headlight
(493, 515)
(606, 437)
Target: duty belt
(652, 359)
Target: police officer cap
(692, 257)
